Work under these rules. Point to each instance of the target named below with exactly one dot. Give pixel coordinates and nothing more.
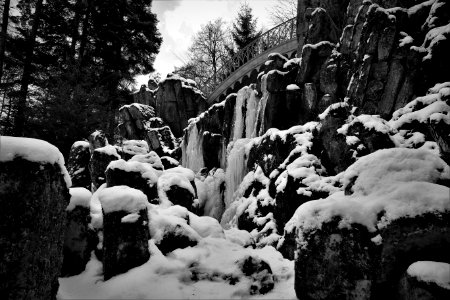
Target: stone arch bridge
(243, 68)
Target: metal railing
(281, 33)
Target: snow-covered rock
(125, 229)
(78, 164)
(393, 197)
(34, 195)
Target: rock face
(100, 159)
(78, 165)
(79, 241)
(125, 230)
(33, 197)
(138, 122)
(178, 100)
(137, 175)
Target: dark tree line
(68, 65)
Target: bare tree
(282, 11)
(210, 48)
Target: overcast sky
(179, 20)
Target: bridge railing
(269, 39)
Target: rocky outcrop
(145, 95)
(138, 122)
(125, 230)
(78, 164)
(178, 100)
(97, 139)
(34, 194)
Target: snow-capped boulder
(358, 243)
(125, 229)
(170, 229)
(426, 280)
(78, 164)
(34, 195)
(131, 148)
(176, 186)
(100, 159)
(135, 174)
(150, 158)
(79, 239)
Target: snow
(331, 108)
(370, 122)
(398, 182)
(146, 170)
(150, 158)
(79, 197)
(293, 61)
(108, 150)
(33, 150)
(135, 147)
(122, 198)
(96, 209)
(83, 144)
(431, 271)
(200, 272)
(130, 218)
(292, 87)
(178, 176)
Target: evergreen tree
(85, 56)
(244, 28)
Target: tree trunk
(19, 124)
(84, 32)
(3, 35)
(75, 25)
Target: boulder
(78, 164)
(79, 239)
(138, 175)
(176, 186)
(125, 229)
(426, 280)
(150, 158)
(260, 273)
(34, 194)
(100, 159)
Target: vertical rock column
(125, 229)
(33, 198)
(79, 240)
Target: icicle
(192, 153)
(236, 168)
(250, 119)
(260, 130)
(239, 119)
